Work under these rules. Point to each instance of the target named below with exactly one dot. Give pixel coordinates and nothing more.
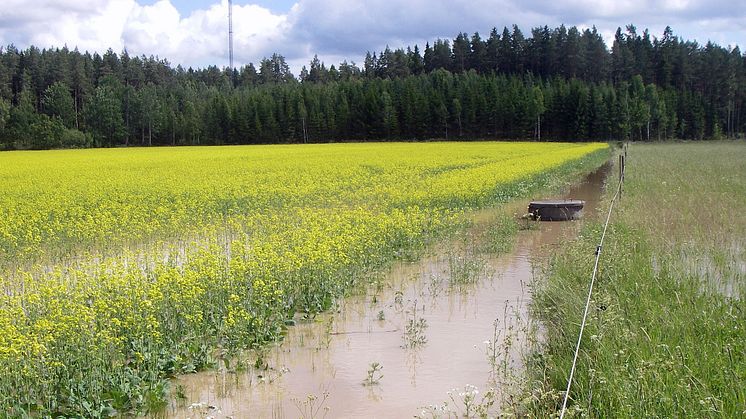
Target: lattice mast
(230, 35)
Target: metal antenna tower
(230, 34)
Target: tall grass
(666, 335)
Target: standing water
(428, 332)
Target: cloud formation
(199, 39)
(337, 29)
(202, 36)
(87, 24)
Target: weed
(414, 331)
(527, 223)
(498, 236)
(261, 363)
(399, 298)
(492, 349)
(465, 268)
(464, 403)
(312, 407)
(179, 392)
(374, 374)
(381, 316)
(325, 339)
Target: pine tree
(58, 102)
(4, 116)
(478, 54)
(416, 62)
(461, 53)
(104, 116)
(492, 52)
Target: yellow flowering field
(122, 267)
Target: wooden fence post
(621, 174)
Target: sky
(194, 33)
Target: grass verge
(666, 331)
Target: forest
(560, 84)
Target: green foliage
(558, 84)
(415, 329)
(72, 138)
(4, 113)
(46, 132)
(21, 117)
(104, 117)
(58, 102)
(4, 116)
(276, 70)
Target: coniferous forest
(559, 84)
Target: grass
(465, 268)
(666, 331)
(496, 237)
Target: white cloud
(337, 29)
(199, 39)
(202, 37)
(86, 24)
(351, 27)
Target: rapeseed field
(120, 268)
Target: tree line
(556, 84)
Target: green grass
(666, 333)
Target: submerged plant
(498, 235)
(374, 374)
(414, 331)
(312, 407)
(492, 349)
(463, 403)
(529, 222)
(465, 268)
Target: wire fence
(599, 248)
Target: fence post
(621, 174)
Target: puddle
(320, 368)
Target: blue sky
(188, 6)
(194, 33)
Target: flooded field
(445, 329)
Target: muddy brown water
(320, 368)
